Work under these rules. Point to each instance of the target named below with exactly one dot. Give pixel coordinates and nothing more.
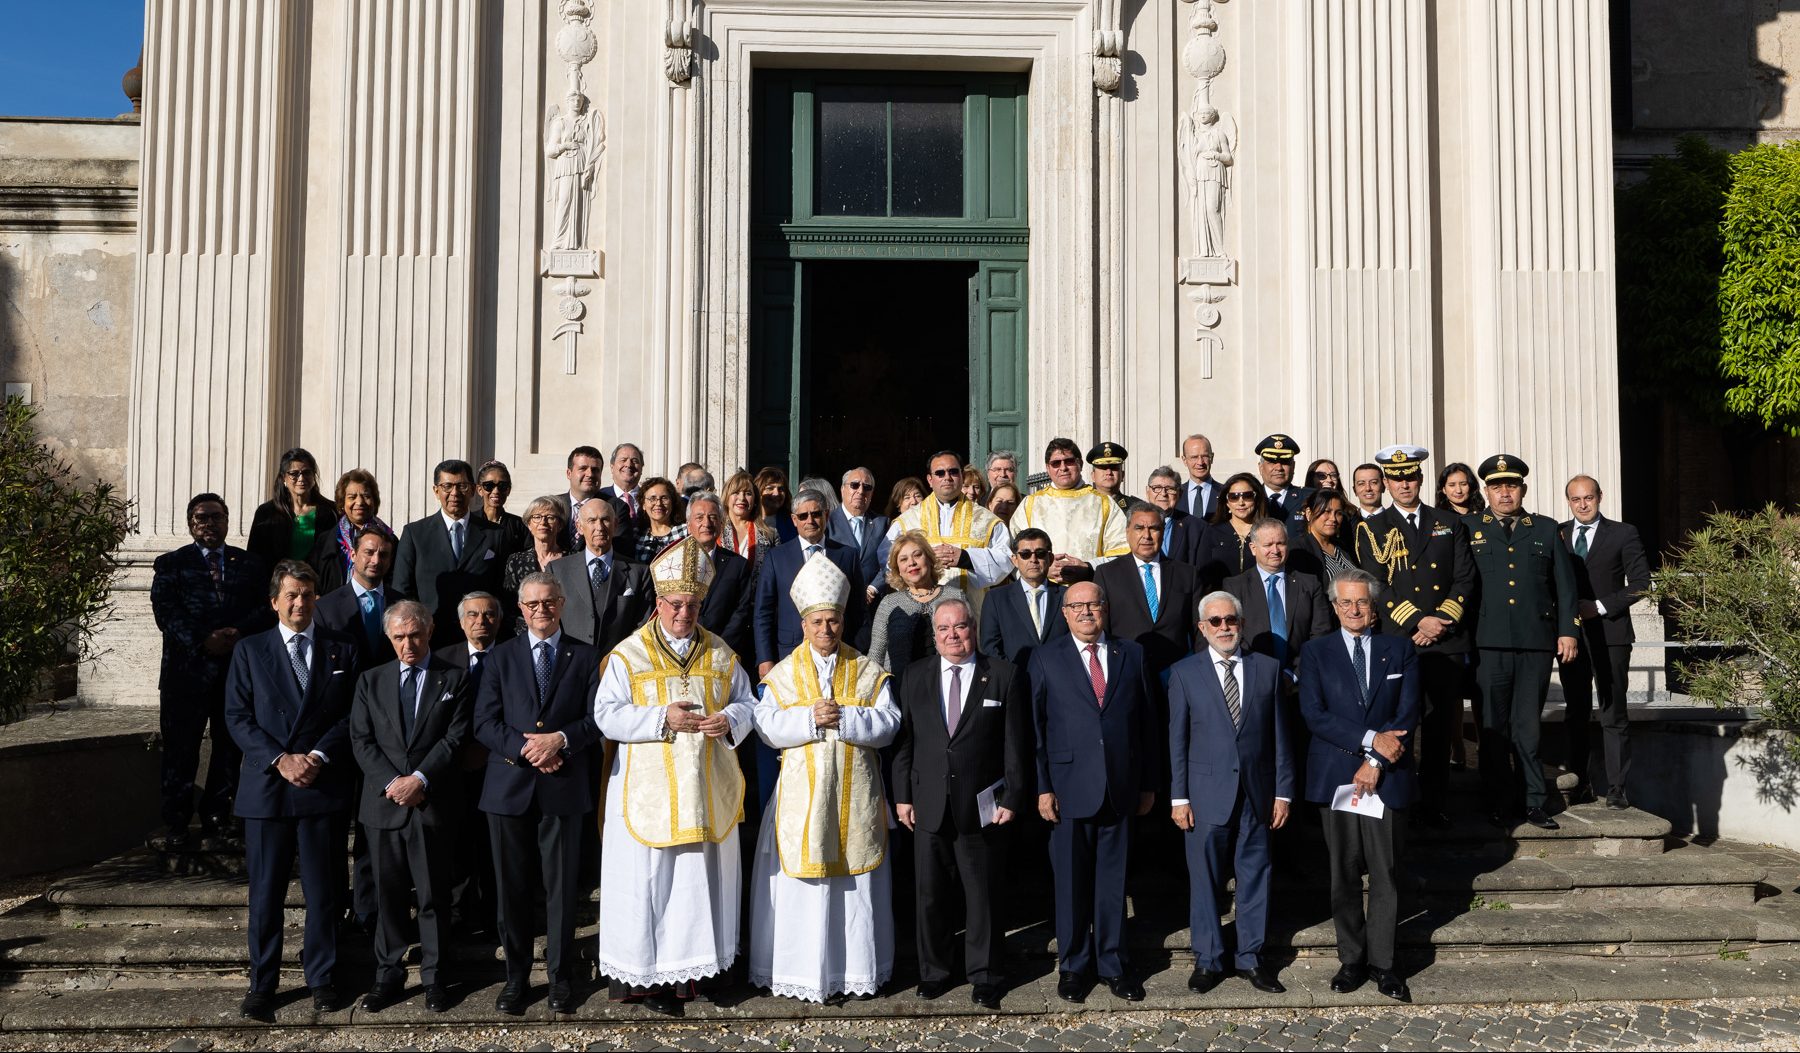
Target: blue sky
(64, 58)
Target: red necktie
(1095, 676)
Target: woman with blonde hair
(544, 522)
(743, 531)
(900, 632)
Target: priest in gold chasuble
(676, 701)
(821, 924)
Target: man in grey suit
(856, 524)
(410, 718)
(1269, 588)
(448, 554)
(608, 596)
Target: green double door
(890, 238)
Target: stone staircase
(1609, 907)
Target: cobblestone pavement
(1716, 1024)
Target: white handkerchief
(987, 801)
(1346, 800)
(1395, 676)
(990, 702)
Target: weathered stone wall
(68, 261)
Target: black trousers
(412, 859)
(472, 864)
(1608, 676)
(184, 719)
(946, 862)
(270, 849)
(1360, 845)
(537, 855)
(1441, 679)
(1512, 685)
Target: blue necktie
(1278, 618)
(297, 656)
(543, 671)
(456, 539)
(1361, 660)
(1150, 592)
(371, 616)
(1168, 521)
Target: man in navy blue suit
(1359, 694)
(1232, 781)
(1094, 709)
(777, 622)
(287, 703)
(534, 713)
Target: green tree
(1736, 585)
(1759, 286)
(57, 544)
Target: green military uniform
(1528, 601)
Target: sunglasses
(859, 486)
(1221, 620)
(304, 473)
(1033, 553)
(1063, 462)
(947, 473)
(1241, 495)
(809, 516)
(495, 484)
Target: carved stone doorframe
(1053, 39)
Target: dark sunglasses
(860, 486)
(809, 516)
(495, 484)
(1034, 553)
(1219, 620)
(946, 473)
(1063, 462)
(1241, 495)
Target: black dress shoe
(382, 995)
(1263, 979)
(562, 997)
(987, 996)
(1127, 988)
(1073, 987)
(437, 998)
(663, 1003)
(1616, 799)
(1391, 985)
(258, 1005)
(930, 989)
(1582, 794)
(326, 998)
(512, 998)
(1201, 981)
(1539, 818)
(1349, 978)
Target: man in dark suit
(1182, 532)
(583, 471)
(408, 723)
(448, 554)
(1018, 616)
(856, 524)
(1094, 707)
(472, 867)
(965, 730)
(1149, 599)
(287, 703)
(1422, 554)
(206, 597)
(1359, 695)
(777, 622)
(731, 601)
(535, 716)
(609, 596)
(1286, 501)
(1233, 779)
(1201, 493)
(1270, 587)
(1611, 573)
(627, 466)
(357, 607)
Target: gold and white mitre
(818, 585)
(683, 569)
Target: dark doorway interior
(886, 352)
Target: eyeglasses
(1220, 620)
(1351, 605)
(808, 516)
(297, 475)
(495, 484)
(1164, 490)
(1033, 554)
(1063, 462)
(1090, 607)
(453, 488)
(542, 517)
(857, 485)
(1241, 495)
(541, 605)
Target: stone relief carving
(1109, 61)
(574, 144)
(678, 49)
(1206, 148)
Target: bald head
(1084, 608)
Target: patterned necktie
(1581, 549)
(409, 701)
(1150, 595)
(456, 539)
(1095, 676)
(1278, 617)
(1360, 659)
(215, 564)
(1233, 701)
(371, 616)
(953, 701)
(297, 656)
(543, 671)
(597, 574)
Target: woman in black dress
(1225, 547)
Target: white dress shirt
(1155, 566)
(967, 666)
(555, 641)
(1593, 529)
(1039, 603)
(1099, 652)
(418, 703)
(1368, 639)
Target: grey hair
(632, 446)
(697, 480)
(1218, 596)
(1267, 523)
(705, 497)
(810, 496)
(1002, 455)
(543, 577)
(842, 479)
(824, 489)
(462, 605)
(1139, 506)
(951, 601)
(1354, 576)
(406, 612)
(1199, 436)
(1163, 471)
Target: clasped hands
(826, 713)
(544, 752)
(1431, 629)
(407, 791)
(299, 768)
(680, 718)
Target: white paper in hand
(1346, 800)
(988, 801)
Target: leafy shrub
(1759, 289)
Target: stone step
(1500, 978)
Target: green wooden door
(997, 360)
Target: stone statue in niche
(1207, 142)
(574, 140)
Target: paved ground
(1713, 1024)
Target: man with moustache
(1275, 464)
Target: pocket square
(337, 672)
(986, 702)
(629, 591)
(489, 554)
(1395, 676)
(444, 697)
